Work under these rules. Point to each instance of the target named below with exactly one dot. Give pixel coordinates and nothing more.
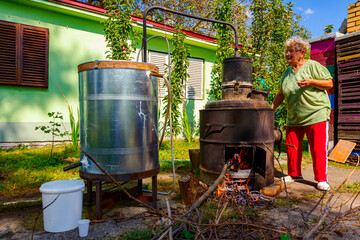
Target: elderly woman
(303, 85)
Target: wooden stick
(209, 190)
(328, 207)
(221, 213)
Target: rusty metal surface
(241, 120)
(237, 81)
(238, 69)
(98, 201)
(278, 136)
(235, 93)
(213, 161)
(154, 191)
(259, 95)
(237, 126)
(119, 177)
(237, 104)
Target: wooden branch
(221, 213)
(209, 190)
(195, 205)
(328, 207)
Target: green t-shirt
(310, 105)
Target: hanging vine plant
(120, 35)
(223, 12)
(178, 75)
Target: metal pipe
(98, 201)
(75, 165)
(186, 15)
(89, 192)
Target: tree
(119, 29)
(199, 8)
(273, 22)
(262, 38)
(328, 28)
(223, 12)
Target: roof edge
(100, 10)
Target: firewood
(273, 189)
(190, 189)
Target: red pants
(317, 135)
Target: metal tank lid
(117, 64)
(233, 59)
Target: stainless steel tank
(118, 119)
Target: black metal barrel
(237, 81)
(237, 124)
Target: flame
(221, 188)
(230, 188)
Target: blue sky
(319, 13)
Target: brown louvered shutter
(23, 55)
(34, 61)
(8, 53)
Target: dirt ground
(128, 217)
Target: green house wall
(75, 36)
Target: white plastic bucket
(62, 204)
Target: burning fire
(238, 162)
(236, 188)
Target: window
(23, 55)
(194, 86)
(160, 59)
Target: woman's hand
(320, 84)
(304, 83)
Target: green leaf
(285, 237)
(188, 235)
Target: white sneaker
(323, 186)
(292, 179)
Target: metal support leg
(140, 183)
(154, 191)
(98, 201)
(89, 193)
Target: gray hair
(298, 42)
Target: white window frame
(195, 79)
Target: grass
(313, 195)
(24, 170)
(346, 165)
(139, 234)
(350, 187)
(20, 206)
(282, 202)
(180, 165)
(181, 149)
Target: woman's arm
(320, 84)
(279, 98)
